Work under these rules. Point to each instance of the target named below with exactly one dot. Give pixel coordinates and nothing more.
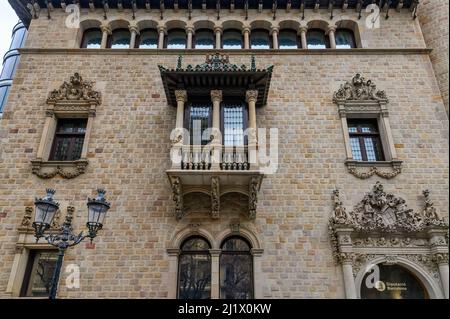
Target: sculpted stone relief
(380, 224)
(359, 89)
(75, 89)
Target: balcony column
(251, 97)
(330, 32)
(134, 30)
(274, 32)
(106, 30)
(190, 33)
(246, 32)
(161, 32)
(218, 32)
(303, 31)
(216, 97)
(177, 134)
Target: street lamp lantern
(65, 237)
(97, 209)
(46, 209)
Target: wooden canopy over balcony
(216, 73)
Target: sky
(8, 20)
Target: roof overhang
(24, 13)
(216, 74)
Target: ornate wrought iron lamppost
(46, 209)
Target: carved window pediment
(359, 89)
(75, 99)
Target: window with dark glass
(176, 39)
(120, 39)
(234, 123)
(148, 39)
(236, 269)
(232, 39)
(365, 140)
(260, 39)
(194, 269)
(198, 118)
(316, 39)
(204, 39)
(288, 39)
(38, 273)
(345, 39)
(68, 141)
(92, 39)
(4, 90)
(10, 65)
(395, 282)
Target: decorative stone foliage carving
(75, 89)
(253, 197)
(48, 170)
(359, 89)
(381, 225)
(361, 173)
(215, 197)
(177, 197)
(26, 220)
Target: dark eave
(233, 80)
(20, 6)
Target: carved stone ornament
(75, 90)
(177, 194)
(215, 197)
(431, 217)
(367, 172)
(67, 170)
(26, 220)
(359, 89)
(255, 182)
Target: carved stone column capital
(215, 252)
(303, 28)
(216, 95)
(246, 29)
(441, 258)
(251, 95)
(162, 28)
(274, 29)
(181, 95)
(190, 30)
(133, 28)
(218, 29)
(331, 29)
(346, 258)
(106, 29)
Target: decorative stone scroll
(177, 197)
(254, 185)
(46, 170)
(75, 90)
(359, 89)
(361, 173)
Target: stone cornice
(391, 51)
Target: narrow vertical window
(148, 39)
(234, 119)
(316, 39)
(345, 39)
(194, 269)
(69, 139)
(120, 39)
(236, 269)
(199, 118)
(92, 39)
(365, 140)
(39, 273)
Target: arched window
(288, 39)
(391, 282)
(92, 39)
(236, 269)
(316, 39)
(148, 39)
(120, 39)
(232, 39)
(204, 39)
(345, 39)
(194, 269)
(176, 39)
(260, 39)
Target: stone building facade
(360, 185)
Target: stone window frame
(359, 99)
(74, 99)
(26, 242)
(196, 230)
(365, 236)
